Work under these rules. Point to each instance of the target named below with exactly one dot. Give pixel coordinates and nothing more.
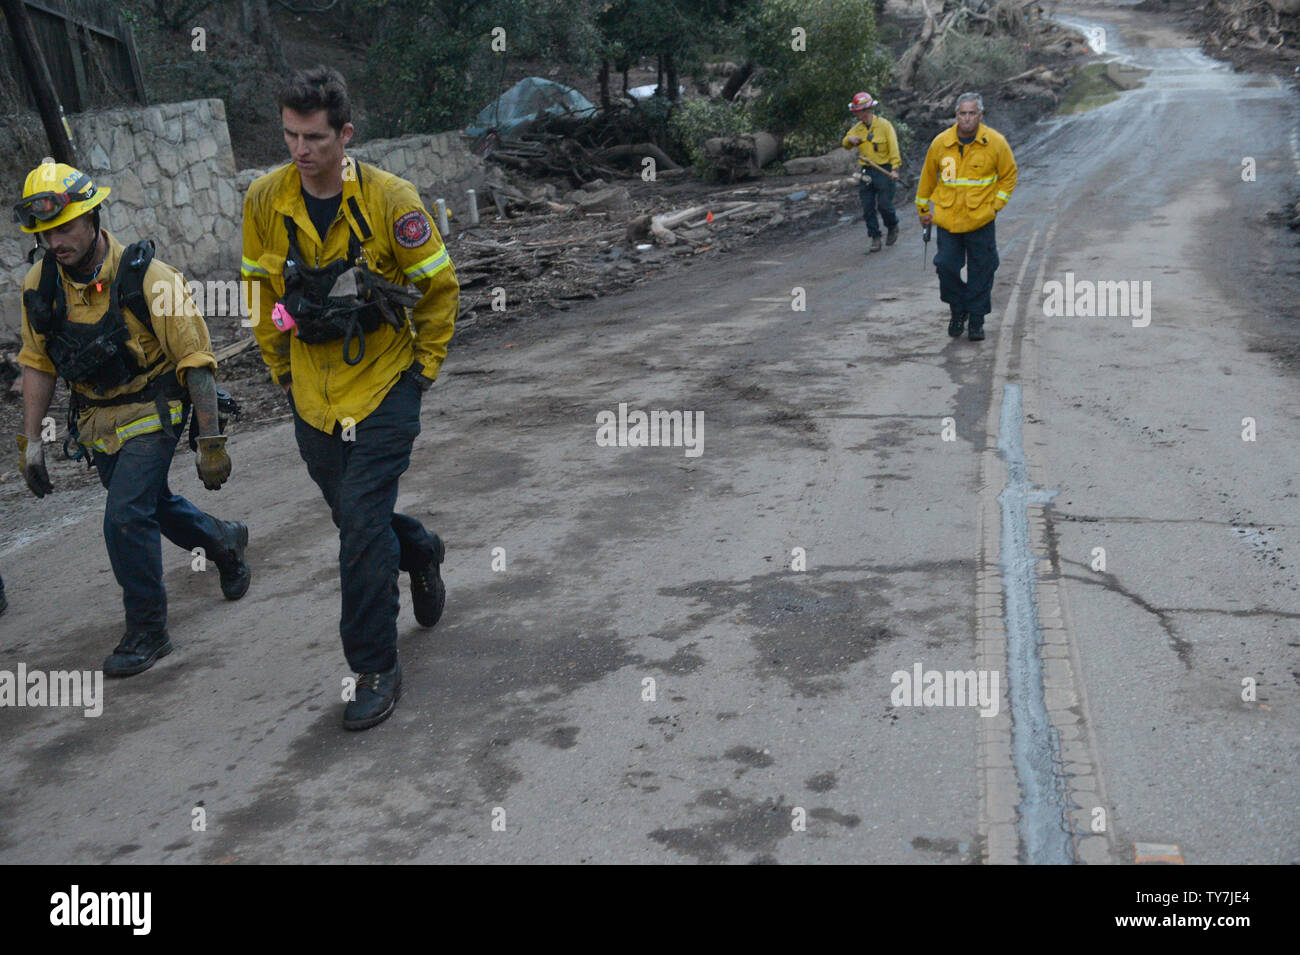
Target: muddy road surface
(656, 655)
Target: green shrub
(695, 120)
(805, 92)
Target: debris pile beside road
(601, 238)
(582, 148)
(1261, 26)
(1022, 22)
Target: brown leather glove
(213, 462)
(31, 465)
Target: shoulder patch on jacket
(413, 229)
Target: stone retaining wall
(173, 179)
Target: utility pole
(38, 77)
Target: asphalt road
(771, 704)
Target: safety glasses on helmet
(48, 205)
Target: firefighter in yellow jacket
(878, 163)
(120, 328)
(968, 177)
(331, 250)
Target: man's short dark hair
(321, 87)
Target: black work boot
(137, 652)
(428, 593)
(4, 601)
(875, 244)
(892, 235)
(235, 573)
(976, 333)
(376, 699)
(956, 324)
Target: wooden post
(78, 68)
(127, 36)
(38, 76)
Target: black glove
(31, 463)
(415, 373)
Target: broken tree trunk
(661, 158)
(738, 78)
(931, 39)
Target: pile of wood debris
(1261, 26)
(556, 251)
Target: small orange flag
(709, 217)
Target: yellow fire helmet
(55, 193)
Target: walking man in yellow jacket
(135, 356)
(878, 163)
(968, 177)
(329, 246)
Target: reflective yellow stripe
(252, 268)
(972, 182)
(923, 202)
(133, 429)
(1003, 196)
(430, 266)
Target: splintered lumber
(235, 348)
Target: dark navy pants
(359, 481)
(140, 507)
(978, 251)
(876, 190)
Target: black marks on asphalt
(737, 824)
(896, 433)
(561, 737)
(275, 810)
(969, 372)
(670, 726)
(637, 781)
(1182, 647)
(848, 821)
(821, 782)
(806, 631)
(681, 663)
(695, 621)
(790, 418)
(749, 756)
(948, 850)
(485, 468)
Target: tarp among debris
(523, 102)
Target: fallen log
(661, 158)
